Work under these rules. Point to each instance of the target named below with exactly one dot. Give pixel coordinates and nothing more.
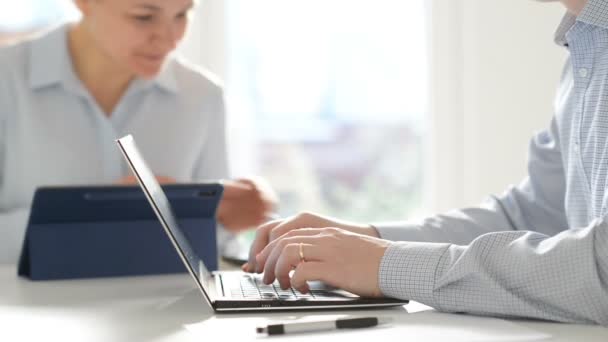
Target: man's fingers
(310, 271)
(272, 231)
(260, 241)
(285, 226)
(269, 267)
(266, 234)
(290, 259)
(286, 238)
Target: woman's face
(137, 35)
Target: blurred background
(369, 110)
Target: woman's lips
(153, 58)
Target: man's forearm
(510, 274)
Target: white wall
(205, 42)
(205, 45)
(495, 69)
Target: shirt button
(583, 72)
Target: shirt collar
(166, 79)
(51, 63)
(563, 28)
(595, 13)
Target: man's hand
(275, 229)
(334, 256)
(246, 203)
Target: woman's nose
(166, 36)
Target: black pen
(340, 323)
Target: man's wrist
(408, 270)
(373, 231)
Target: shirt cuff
(408, 270)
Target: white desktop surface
(168, 308)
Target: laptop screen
(159, 202)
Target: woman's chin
(148, 73)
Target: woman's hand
(273, 230)
(246, 203)
(334, 256)
(131, 180)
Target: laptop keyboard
(252, 287)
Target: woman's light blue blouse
(52, 131)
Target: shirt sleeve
(12, 232)
(509, 274)
(12, 223)
(2, 137)
(535, 204)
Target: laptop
(236, 291)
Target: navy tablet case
(84, 232)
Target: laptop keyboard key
(268, 295)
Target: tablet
(98, 231)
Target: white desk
(167, 308)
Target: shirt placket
(579, 41)
(112, 162)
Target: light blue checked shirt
(52, 132)
(541, 249)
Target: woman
(67, 95)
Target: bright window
(337, 91)
(28, 15)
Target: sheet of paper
(425, 327)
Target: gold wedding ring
(302, 259)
